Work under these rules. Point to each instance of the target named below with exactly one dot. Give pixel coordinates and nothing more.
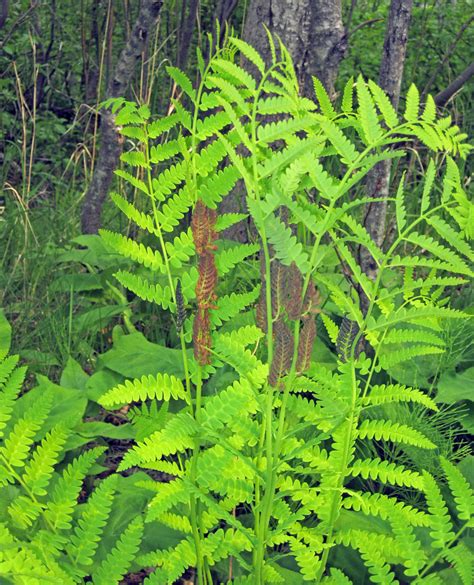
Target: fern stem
(196, 518)
(335, 503)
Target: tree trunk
(312, 31)
(314, 35)
(391, 73)
(3, 12)
(111, 146)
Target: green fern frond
(135, 158)
(446, 254)
(181, 249)
(229, 306)
(174, 209)
(155, 293)
(63, 500)
(414, 557)
(392, 358)
(113, 568)
(385, 394)
(234, 73)
(395, 432)
(158, 387)
(176, 436)
(386, 472)
(217, 186)
(162, 125)
(341, 143)
(10, 387)
(372, 131)
(91, 522)
(133, 214)
(461, 558)
(133, 250)
(441, 525)
(40, 467)
(461, 490)
(429, 113)
(447, 233)
(163, 152)
(385, 506)
(182, 80)
(17, 444)
(384, 105)
(132, 180)
(412, 104)
(324, 101)
(287, 248)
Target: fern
(268, 462)
(160, 387)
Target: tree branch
(444, 96)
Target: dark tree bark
(444, 96)
(312, 30)
(186, 29)
(3, 12)
(391, 73)
(111, 146)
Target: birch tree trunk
(111, 145)
(391, 73)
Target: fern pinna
(46, 536)
(276, 460)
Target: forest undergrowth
(234, 380)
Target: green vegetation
(215, 395)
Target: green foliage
(46, 534)
(270, 452)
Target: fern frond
(385, 394)
(412, 104)
(229, 306)
(174, 209)
(133, 214)
(461, 490)
(339, 140)
(414, 557)
(176, 436)
(395, 432)
(10, 387)
(287, 248)
(441, 525)
(228, 258)
(155, 293)
(371, 128)
(392, 358)
(386, 472)
(91, 522)
(40, 467)
(158, 387)
(116, 563)
(446, 254)
(181, 249)
(133, 250)
(385, 506)
(324, 101)
(461, 558)
(132, 180)
(384, 105)
(60, 507)
(17, 444)
(217, 186)
(447, 233)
